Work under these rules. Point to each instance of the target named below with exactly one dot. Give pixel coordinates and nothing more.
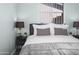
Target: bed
(50, 45)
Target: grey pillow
(60, 31)
(43, 32)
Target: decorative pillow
(43, 32)
(49, 25)
(60, 31)
(39, 27)
(62, 26)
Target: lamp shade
(76, 24)
(19, 24)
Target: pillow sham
(39, 27)
(43, 32)
(62, 26)
(43, 27)
(60, 31)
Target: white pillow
(52, 26)
(43, 27)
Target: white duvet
(50, 39)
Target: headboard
(31, 30)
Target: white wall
(7, 34)
(71, 14)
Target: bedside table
(20, 40)
(76, 36)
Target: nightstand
(20, 40)
(76, 36)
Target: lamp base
(19, 34)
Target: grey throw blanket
(51, 49)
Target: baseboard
(4, 53)
(13, 52)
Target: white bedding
(50, 39)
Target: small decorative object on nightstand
(20, 40)
(70, 33)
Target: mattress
(50, 39)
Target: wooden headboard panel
(31, 30)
